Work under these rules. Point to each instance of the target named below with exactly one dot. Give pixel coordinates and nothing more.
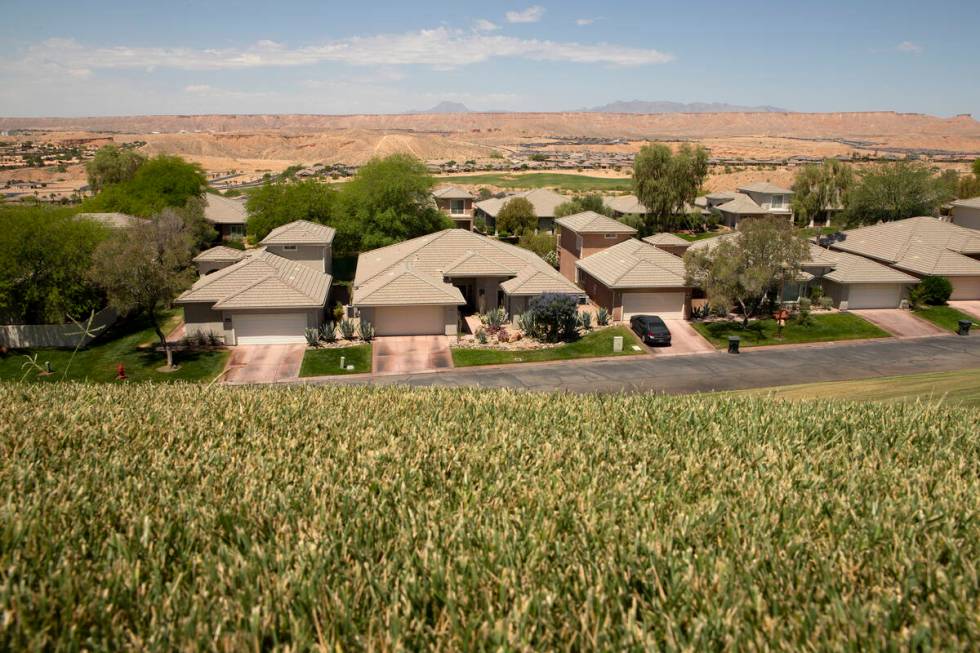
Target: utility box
(617, 344)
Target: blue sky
(61, 58)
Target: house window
(776, 202)
(236, 230)
(289, 248)
(610, 236)
(456, 207)
(578, 243)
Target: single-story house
(226, 214)
(921, 246)
(304, 241)
(670, 243)
(633, 278)
(419, 286)
(584, 234)
(966, 213)
(543, 200)
(457, 204)
(625, 205)
(112, 220)
(271, 295)
(217, 258)
(262, 299)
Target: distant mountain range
(642, 106)
(444, 107)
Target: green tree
(895, 191)
(387, 201)
(818, 189)
(142, 268)
(112, 165)
(517, 217)
(275, 204)
(976, 167)
(161, 182)
(741, 270)
(542, 244)
(589, 202)
(44, 255)
(664, 181)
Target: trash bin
(733, 344)
(964, 329)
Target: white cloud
(484, 25)
(530, 15)
(442, 48)
(908, 47)
(582, 22)
(197, 88)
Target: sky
(92, 57)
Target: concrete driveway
(411, 354)
(683, 340)
(264, 363)
(900, 323)
(969, 306)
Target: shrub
(494, 319)
(525, 322)
(328, 332)
(826, 302)
(348, 329)
(312, 337)
(934, 291)
(803, 314)
(602, 316)
(214, 340)
(367, 331)
(585, 320)
(481, 336)
(816, 292)
(555, 317)
(338, 312)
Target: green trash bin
(964, 329)
(733, 344)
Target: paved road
(717, 371)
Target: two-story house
(457, 204)
(751, 201)
(586, 233)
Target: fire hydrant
(120, 372)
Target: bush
(934, 291)
(803, 314)
(481, 336)
(338, 312)
(312, 337)
(816, 292)
(826, 302)
(525, 322)
(585, 320)
(555, 317)
(602, 316)
(347, 329)
(367, 331)
(494, 320)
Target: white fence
(24, 336)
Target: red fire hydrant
(120, 372)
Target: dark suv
(651, 329)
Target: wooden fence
(25, 336)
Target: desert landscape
(238, 150)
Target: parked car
(651, 329)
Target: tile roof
(543, 200)
(300, 232)
(224, 210)
(404, 285)
(665, 238)
(850, 268)
(532, 281)
(972, 203)
(261, 280)
(590, 222)
(921, 245)
(742, 204)
(625, 204)
(635, 264)
(459, 251)
(766, 188)
(220, 254)
(452, 193)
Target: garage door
(664, 304)
(269, 328)
(965, 287)
(874, 296)
(409, 320)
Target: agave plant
(328, 332)
(527, 324)
(602, 316)
(494, 319)
(312, 337)
(367, 331)
(585, 321)
(348, 329)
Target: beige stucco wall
(201, 318)
(317, 257)
(966, 216)
(207, 267)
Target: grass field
(945, 317)
(827, 327)
(131, 343)
(961, 387)
(323, 362)
(182, 517)
(597, 343)
(557, 180)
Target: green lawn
(597, 343)
(325, 362)
(544, 180)
(823, 328)
(960, 388)
(133, 344)
(699, 236)
(945, 317)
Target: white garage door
(269, 328)
(409, 320)
(664, 304)
(874, 296)
(965, 287)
